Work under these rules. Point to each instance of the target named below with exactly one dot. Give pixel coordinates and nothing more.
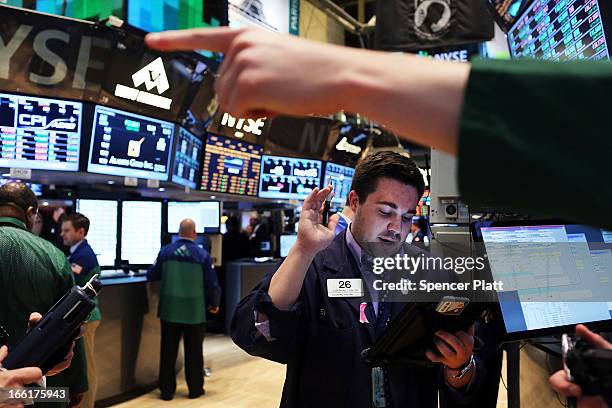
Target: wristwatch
(463, 370)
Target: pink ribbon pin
(362, 316)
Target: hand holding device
(56, 331)
(313, 235)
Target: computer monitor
(102, 235)
(187, 158)
(39, 133)
(141, 224)
(205, 214)
(288, 177)
(341, 178)
(286, 242)
(554, 275)
(131, 145)
(559, 31)
(230, 166)
(201, 240)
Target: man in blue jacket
(188, 284)
(294, 318)
(84, 264)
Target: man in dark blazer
(293, 317)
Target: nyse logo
(243, 125)
(40, 47)
(152, 76)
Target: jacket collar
(13, 222)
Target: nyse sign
(239, 125)
(39, 51)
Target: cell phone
(326, 210)
(60, 325)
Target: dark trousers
(193, 339)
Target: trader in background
(84, 264)
(34, 275)
(188, 284)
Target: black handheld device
(589, 367)
(58, 326)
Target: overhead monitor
(341, 179)
(141, 224)
(126, 144)
(39, 133)
(286, 242)
(231, 166)
(559, 30)
(505, 12)
(288, 177)
(102, 235)
(554, 276)
(205, 214)
(187, 158)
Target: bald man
(188, 286)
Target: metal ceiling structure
(336, 9)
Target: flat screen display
(341, 179)
(102, 235)
(187, 158)
(286, 242)
(205, 214)
(288, 177)
(141, 224)
(553, 275)
(39, 133)
(231, 166)
(126, 144)
(560, 30)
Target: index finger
(593, 338)
(212, 39)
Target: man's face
(385, 218)
(70, 236)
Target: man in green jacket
(34, 275)
(188, 285)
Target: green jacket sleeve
(534, 138)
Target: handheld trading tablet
(59, 326)
(411, 333)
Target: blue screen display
(341, 178)
(126, 144)
(553, 275)
(560, 30)
(288, 177)
(187, 158)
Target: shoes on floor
(196, 394)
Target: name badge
(344, 288)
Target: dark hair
(78, 221)
(385, 164)
(18, 194)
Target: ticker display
(341, 179)
(231, 166)
(288, 177)
(560, 30)
(126, 144)
(187, 157)
(39, 133)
